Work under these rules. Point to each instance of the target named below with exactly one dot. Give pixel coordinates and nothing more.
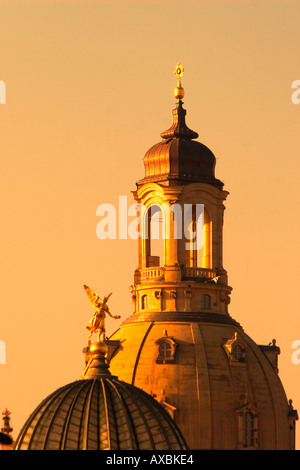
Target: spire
(6, 419)
(6, 440)
(179, 128)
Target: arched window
(205, 301)
(166, 349)
(144, 302)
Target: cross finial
(179, 71)
(179, 91)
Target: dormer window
(166, 349)
(235, 350)
(239, 353)
(248, 427)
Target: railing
(156, 273)
(199, 272)
(152, 274)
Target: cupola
(179, 159)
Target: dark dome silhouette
(99, 412)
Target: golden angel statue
(97, 322)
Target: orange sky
(89, 88)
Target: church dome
(223, 389)
(179, 159)
(99, 412)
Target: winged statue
(97, 322)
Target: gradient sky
(89, 88)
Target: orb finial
(99, 348)
(179, 91)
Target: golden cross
(179, 71)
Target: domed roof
(99, 412)
(178, 159)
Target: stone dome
(178, 159)
(213, 377)
(99, 412)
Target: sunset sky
(89, 89)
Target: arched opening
(155, 236)
(197, 225)
(206, 247)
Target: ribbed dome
(179, 159)
(100, 413)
